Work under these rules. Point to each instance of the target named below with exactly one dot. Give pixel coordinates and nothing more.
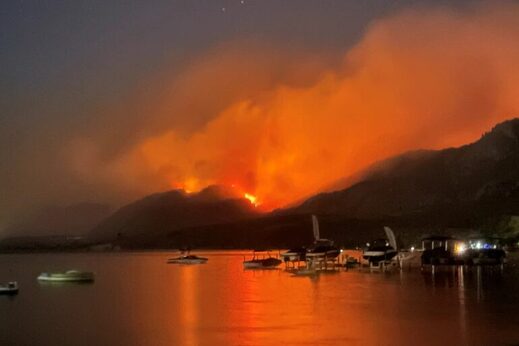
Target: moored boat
(323, 249)
(381, 250)
(188, 259)
(68, 276)
(324, 252)
(9, 288)
(261, 261)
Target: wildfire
(252, 199)
(285, 137)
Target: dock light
(412, 248)
(460, 248)
(342, 250)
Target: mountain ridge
(173, 210)
(471, 188)
(487, 168)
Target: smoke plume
(283, 125)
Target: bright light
(252, 199)
(412, 248)
(460, 248)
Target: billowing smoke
(420, 79)
(282, 125)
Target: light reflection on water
(138, 299)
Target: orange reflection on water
(219, 303)
(188, 305)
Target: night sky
(106, 101)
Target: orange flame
(252, 199)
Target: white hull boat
(68, 276)
(9, 288)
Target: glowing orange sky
(419, 79)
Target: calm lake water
(138, 299)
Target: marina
(254, 307)
(285, 293)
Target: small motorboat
(9, 288)
(261, 261)
(68, 276)
(188, 259)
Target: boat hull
(66, 277)
(323, 253)
(267, 263)
(375, 256)
(188, 261)
(8, 291)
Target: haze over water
(138, 299)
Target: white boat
(9, 288)
(188, 259)
(68, 276)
